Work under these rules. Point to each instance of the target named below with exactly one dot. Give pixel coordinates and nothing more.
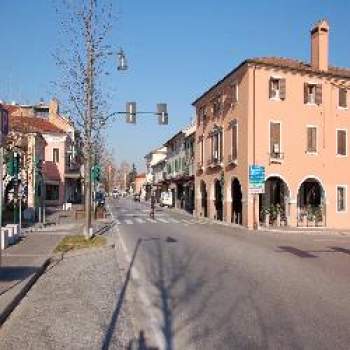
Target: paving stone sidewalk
(76, 304)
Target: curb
(23, 291)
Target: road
(209, 286)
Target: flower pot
(267, 220)
(278, 219)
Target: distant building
(289, 117)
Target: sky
(176, 50)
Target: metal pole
(1, 189)
(20, 214)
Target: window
(341, 198)
(343, 98)
(311, 146)
(234, 140)
(52, 192)
(216, 105)
(216, 145)
(341, 142)
(202, 112)
(312, 93)
(201, 150)
(275, 139)
(235, 92)
(56, 155)
(277, 88)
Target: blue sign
(256, 179)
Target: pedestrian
(153, 201)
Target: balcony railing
(276, 157)
(214, 162)
(232, 159)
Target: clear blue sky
(176, 50)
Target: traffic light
(131, 112)
(162, 113)
(13, 164)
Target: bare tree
(82, 59)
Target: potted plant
(311, 216)
(318, 216)
(278, 214)
(265, 213)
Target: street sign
(4, 124)
(256, 179)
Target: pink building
(292, 119)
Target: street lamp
(122, 63)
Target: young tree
(85, 28)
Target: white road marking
(151, 220)
(174, 221)
(162, 220)
(128, 222)
(142, 294)
(140, 221)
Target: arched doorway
(311, 203)
(236, 208)
(204, 198)
(274, 202)
(218, 200)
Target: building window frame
(311, 152)
(55, 155)
(344, 208)
(271, 151)
(235, 92)
(344, 90)
(339, 155)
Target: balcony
(276, 157)
(232, 160)
(214, 163)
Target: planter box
(4, 238)
(16, 230)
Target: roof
(174, 137)
(32, 124)
(140, 175)
(285, 63)
(50, 171)
(10, 108)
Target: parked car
(166, 199)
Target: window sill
(311, 104)
(276, 99)
(276, 161)
(343, 108)
(341, 212)
(311, 153)
(341, 155)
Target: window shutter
(270, 88)
(234, 141)
(274, 136)
(311, 139)
(341, 139)
(342, 97)
(282, 89)
(306, 97)
(318, 97)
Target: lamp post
(130, 114)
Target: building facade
(292, 119)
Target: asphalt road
(208, 286)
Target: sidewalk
(82, 301)
(22, 263)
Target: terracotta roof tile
(283, 62)
(50, 171)
(32, 124)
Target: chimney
(319, 46)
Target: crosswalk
(156, 220)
